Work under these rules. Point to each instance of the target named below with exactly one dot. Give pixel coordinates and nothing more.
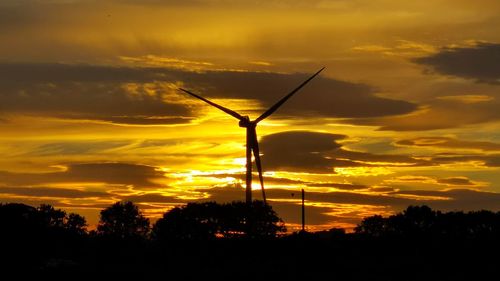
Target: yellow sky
(406, 111)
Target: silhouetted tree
(76, 224)
(375, 226)
(414, 221)
(453, 225)
(17, 218)
(51, 217)
(194, 221)
(209, 220)
(257, 220)
(123, 220)
(18, 221)
(483, 223)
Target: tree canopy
(123, 220)
(210, 220)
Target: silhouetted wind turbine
(252, 142)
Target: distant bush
(424, 222)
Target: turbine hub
(245, 123)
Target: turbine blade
(256, 154)
(226, 110)
(285, 98)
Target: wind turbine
(252, 142)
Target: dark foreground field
(336, 258)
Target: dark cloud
(459, 199)
(320, 153)
(456, 181)
(480, 62)
(51, 192)
(100, 93)
(140, 176)
(299, 151)
(87, 92)
(438, 114)
(121, 173)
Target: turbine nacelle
(246, 123)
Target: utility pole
(303, 212)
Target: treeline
(124, 221)
(423, 222)
(210, 220)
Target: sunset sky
(406, 112)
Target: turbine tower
(252, 144)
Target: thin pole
(303, 212)
(248, 190)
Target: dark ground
(349, 257)
(416, 244)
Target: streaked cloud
(439, 114)
(468, 99)
(402, 48)
(456, 181)
(76, 148)
(175, 63)
(432, 181)
(492, 160)
(450, 143)
(139, 176)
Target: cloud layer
(147, 95)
